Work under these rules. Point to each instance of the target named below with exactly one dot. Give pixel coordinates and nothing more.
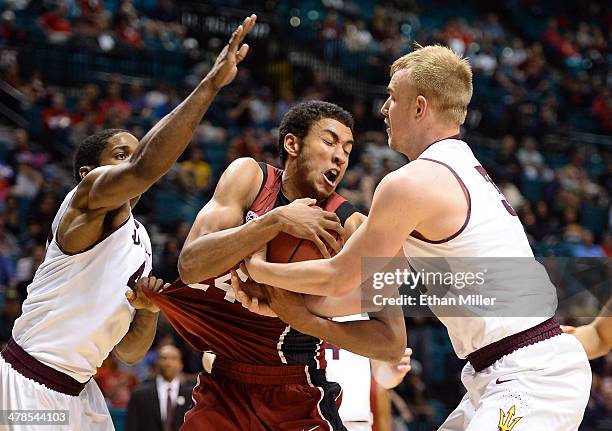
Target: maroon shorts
(240, 397)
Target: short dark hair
(300, 118)
(90, 150)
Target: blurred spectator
(113, 105)
(162, 403)
(195, 174)
(54, 23)
(587, 248)
(167, 268)
(530, 158)
(8, 30)
(28, 181)
(115, 382)
(57, 117)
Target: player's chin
(323, 191)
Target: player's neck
(431, 136)
(290, 186)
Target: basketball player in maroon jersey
(267, 375)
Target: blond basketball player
(76, 312)
(523, 373)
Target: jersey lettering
(488, 179)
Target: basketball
(285, 248)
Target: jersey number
(488, 179)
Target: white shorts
(86, 412)
(357, 426)
(544, 386)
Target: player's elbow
(189, 268)
(185, 271)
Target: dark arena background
(540, 121)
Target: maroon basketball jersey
(208, 317)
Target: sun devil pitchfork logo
(507, 420)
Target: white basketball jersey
(353, 374)
(492, 230)
(76, 310)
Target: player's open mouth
(331, 176)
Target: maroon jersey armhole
(264, 201)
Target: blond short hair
(442, 77)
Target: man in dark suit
(160, 404)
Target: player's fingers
(254, 306)
(244, 269)
(250, 22)
(404, 368)
(321, 246)
(405, 360)
(331, 216)
(151, 281)
(330, 240)
(240, 33)
(235, 39)
(242, 52)
(568, 329)
(335, 226)
(162, 287)
(235, 281)
(305, 201)
(130, 295)
(158, 283)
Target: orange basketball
(285, 248)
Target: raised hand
(303, 220)
(225, 68)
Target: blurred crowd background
(540, 122)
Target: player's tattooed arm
(596, 337)
(112, 186)
(137, 341)
(219, 240)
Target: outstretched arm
(392, 218)
(112, 186)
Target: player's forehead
(332, 129)
(399, 81)
(122, 140)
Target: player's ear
(420, 108)
(292, 144)
(84, 170)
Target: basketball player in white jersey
(523, 372)
(76, 312)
